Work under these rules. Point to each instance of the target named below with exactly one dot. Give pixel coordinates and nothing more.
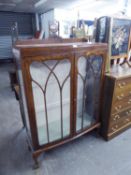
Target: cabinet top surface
(41, 44)
(119, 72)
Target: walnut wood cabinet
(116, 115)
(60, 90)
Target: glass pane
(96, 63)
(53, 108)
(79, 102)
(22, 102)
(66, 107)
(88, 88)
(51, 91)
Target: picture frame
(120, 36)
(115, 31)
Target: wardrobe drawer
(119, 96)
(121, 122)
(121, 105)
(123, 86)
(120, 116)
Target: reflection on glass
(51, 91)
(88, 88)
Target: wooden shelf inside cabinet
(60, 89)
(116, 110)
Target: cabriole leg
(36, 163)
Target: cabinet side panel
(107, 102)
(22, 100)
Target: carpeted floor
(88, 155)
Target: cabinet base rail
(38, 152)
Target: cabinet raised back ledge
(60, 90)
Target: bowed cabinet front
(61, 89)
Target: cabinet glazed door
(88, 76)
(51, 91)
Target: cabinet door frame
(85, 53)
(26, 62)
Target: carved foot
(35, 156)
(36, 163)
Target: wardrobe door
(51, 91)
(88, 85)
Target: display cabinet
(60, 90)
